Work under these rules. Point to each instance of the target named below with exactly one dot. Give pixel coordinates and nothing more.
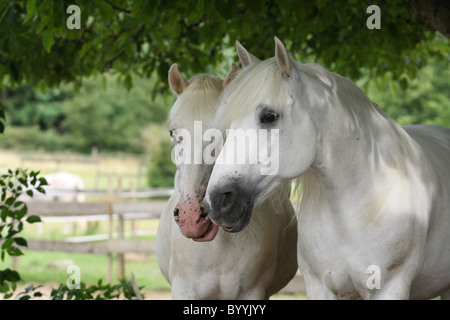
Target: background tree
(138, 37)
(110, 118)
(135, 42)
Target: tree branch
(116, 7)
(108, 63)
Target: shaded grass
(39, 267)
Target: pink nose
(191, 218)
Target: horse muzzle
(230, 208)
(194, 222)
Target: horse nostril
(204, 214)
(225, 199)
(176, 212)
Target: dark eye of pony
(268, 117)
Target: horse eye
(171, 133)
(268, 118)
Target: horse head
(191, 113)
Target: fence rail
(112, 246)
(152, 208)
(107, 244)
(144, 193)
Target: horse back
(435, 142)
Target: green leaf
(21, 242)
(10, 201)
(18, 204)
(14, 252)
(4, 287)
(21, 212)
(48, 40)
(31, 9)
(85, 49)
(33, 219)
(23, 181)
(7, 244)
(41, 190)
(9, 275)
(4, 214)
(8, 295)
(43, 181)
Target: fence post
(133, 221)
(121, 256)
(120, 231)
(110, 228)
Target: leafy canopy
(138, 37)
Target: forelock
(256, 83)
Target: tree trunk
(434, 13)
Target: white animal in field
(65, 187)
(199, 259)
(376, 196)
(62, 187)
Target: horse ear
(245, 57)
(176, 81)
(284, 61)
(230, 76)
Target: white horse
(198, 259)
(65, 187)
(62, 187)
(374, 220)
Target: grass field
(97, 170)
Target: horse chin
(245, 215)
(209, 234)
(237, 228)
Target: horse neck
(354, 155)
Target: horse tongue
(210, 233)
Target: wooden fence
(118, 211)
